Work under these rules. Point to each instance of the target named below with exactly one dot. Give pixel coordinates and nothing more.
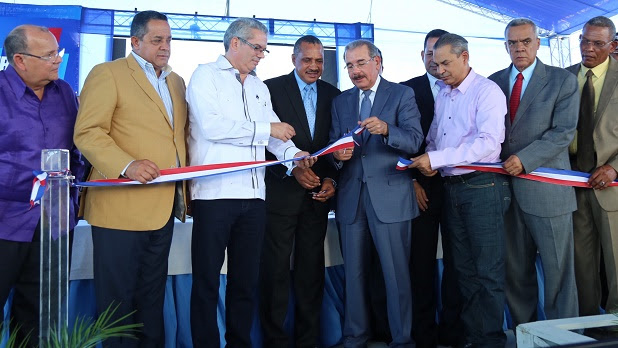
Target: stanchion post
(54, 274)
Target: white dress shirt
(230, 122)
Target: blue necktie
(309, 108)
(365, 110)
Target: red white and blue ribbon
(38, 187)
(201, 171)
(541, 174)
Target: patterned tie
(585, 144)
(309, 108)
(516, 96)
(365, 110)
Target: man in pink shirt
(468, 127)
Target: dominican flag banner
(38, 187)
(541, 174)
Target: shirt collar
(598, 70)
(145, 65)
(224, 64)
(302, 84)
(18, 85)
(432, 80)
(373, 88)
(527, 73)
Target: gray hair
(242, 28)
(17, 40)
(139, 24)
(603, 22)
(519, 22)
(458, 43)
(373, 49)
(310, 39)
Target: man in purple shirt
(38, 112)
(469, 127)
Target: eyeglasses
(256, 48)
(597, 44)
(358, 65)
(52, 57)
(513, 43)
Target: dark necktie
(585, 127)
(516, 96)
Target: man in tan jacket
(131, 124)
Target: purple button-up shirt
(27, 126)
(468, 125)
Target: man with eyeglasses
(131, 124)
(376, 201)
(595, 151)
(540, 124)
(38, 112)
(231, 119)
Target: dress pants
(19, 269)
(304, 233)
(238, 225)
(595, 229)
(392, 243)
(475, 204)
(130, 271)
(552, 237)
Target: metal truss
(560, 51)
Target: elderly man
(376, 202)
(131, 123)
(297, 202)
(469, 127)
(595, 151)
(38, 112)
(231, 120)
(540, 124)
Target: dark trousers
(423, 272)
(19, 269)
(130, 271)
(304, 233)
(475, 205)
(238, 225)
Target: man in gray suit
(596, 151)
(540, 123)
(376, 201)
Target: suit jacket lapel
(140, 78)
(535, 85)
(611, 79)
(380, 99)
(296, 100)
(322, 124)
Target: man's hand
(142, 171)
(602, 177)
(326, 192)
(375, 126)
(513, 165)
(344, 155)
(306, 162)
(421, 196)
(282, 131)
(306, 178)
(423, 164)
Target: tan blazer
(605, 134)
(122, 118)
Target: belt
(454, 179)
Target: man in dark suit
(426, 227)
(297, 202)
(376, 201)
(595, 223)
(540, 123)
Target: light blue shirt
(159, 83)
(527, 73)
(313, 91)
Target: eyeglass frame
(51, 58)
(256, 48)
(350, 66)
(585, 42)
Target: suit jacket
(122, 118)
(391, 190)
(540, 135)
(605, 135)
(283, 193)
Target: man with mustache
(231, 119)
(540, 124)
(297, 203)
(376, 201)
(595, 151)
(38, 112)
(131, 124)
(469, 127)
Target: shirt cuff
(124, 171)
(261, 133)
(289, 154)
